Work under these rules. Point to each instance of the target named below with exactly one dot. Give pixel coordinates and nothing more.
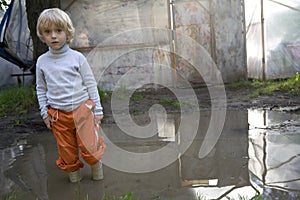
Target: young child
(68, 97)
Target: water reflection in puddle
(257, 152)
(274, 151)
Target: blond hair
(57, 17)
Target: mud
(17, 126)
(259, 144)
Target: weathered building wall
(219, 29)
(115, 37)
(134, 39)
(230, 39)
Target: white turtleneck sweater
(64, 80)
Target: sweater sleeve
(41, 90)
(91, 84)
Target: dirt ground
(15, 127)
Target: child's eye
(59, 30)
(47, 31)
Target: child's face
(54, 36)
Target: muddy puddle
(258, 152)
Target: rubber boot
(97, 172)
(74, 177)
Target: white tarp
(280, 44)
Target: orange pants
(73, 131)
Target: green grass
(137, 97)
(104, 95)
(17, 100)
(12, 196)
(128, 196)
(171, 102)
(124, 93)
(290, 86)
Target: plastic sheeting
(276, 40)
(16, 46)
(15, 35)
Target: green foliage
(201, 197)
(166, 101)
(240, 84)
(123, 93)
(17, 100)
(137, 97)
(104, 95)
(128, 196)
(174, 103)
(258, 197)
(247, 84)
(12, 196)
(290, 86)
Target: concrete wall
(120, 36)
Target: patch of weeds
(128, 196)
(137, 97)
(201, 197)
(18, 121)
(18, 99)
(174, 103)
(136, 111)
(104, 95)
(86, 197)
(123, 93)
(262, 91)
(12, 196)
(258, 197)
(254, 83)
(77, 192)
(242, 84)
(290, 86)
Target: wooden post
(263, 60)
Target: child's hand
(102, 147)
(98, 119)
(48, 122)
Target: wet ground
(256, 153)
(180, 155)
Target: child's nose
(53, 34)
